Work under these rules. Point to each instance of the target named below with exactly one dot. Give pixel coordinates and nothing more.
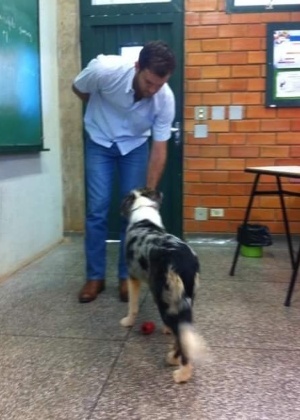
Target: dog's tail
(191, 344)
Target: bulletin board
(283, 64)
(253, 6)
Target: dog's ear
(154, 195)
(158, 197)
(127, 204)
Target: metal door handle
(176, 132)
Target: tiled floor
(63, 360)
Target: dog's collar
(144, 205)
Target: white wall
(31, 213)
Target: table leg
(293, 280)
(285, 220)
(246, 218)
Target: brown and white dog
(171, 269)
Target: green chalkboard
(20, 87)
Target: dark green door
(106, 29)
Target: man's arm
(81, 95)
(157, 162)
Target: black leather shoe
(90, 290)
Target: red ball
(147, 327)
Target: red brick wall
(225, 64)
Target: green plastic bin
(251, 251)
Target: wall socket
(200, 213)
(216, 213)
(200, 113)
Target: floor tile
(237, 384)
(63, 360)
(53, 378)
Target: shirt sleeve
(96, 74)
(161, 129)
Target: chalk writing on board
(8, 21)
(10, 26)
(5, 36)
(25, 33)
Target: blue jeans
(100, 166)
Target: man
(126, 103)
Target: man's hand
(157, 161)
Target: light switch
(218, 113)
(200, 131)
(235, 112)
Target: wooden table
(277, 172)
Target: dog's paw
(183, 374)
(172, 360)
(166, 330)
(128, 321)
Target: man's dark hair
(157, 57)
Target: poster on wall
(131, 52)
(283, 64)
(242, 6)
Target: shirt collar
(129, 88)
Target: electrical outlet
(200, 113)
(216, 212)
(200, 213)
